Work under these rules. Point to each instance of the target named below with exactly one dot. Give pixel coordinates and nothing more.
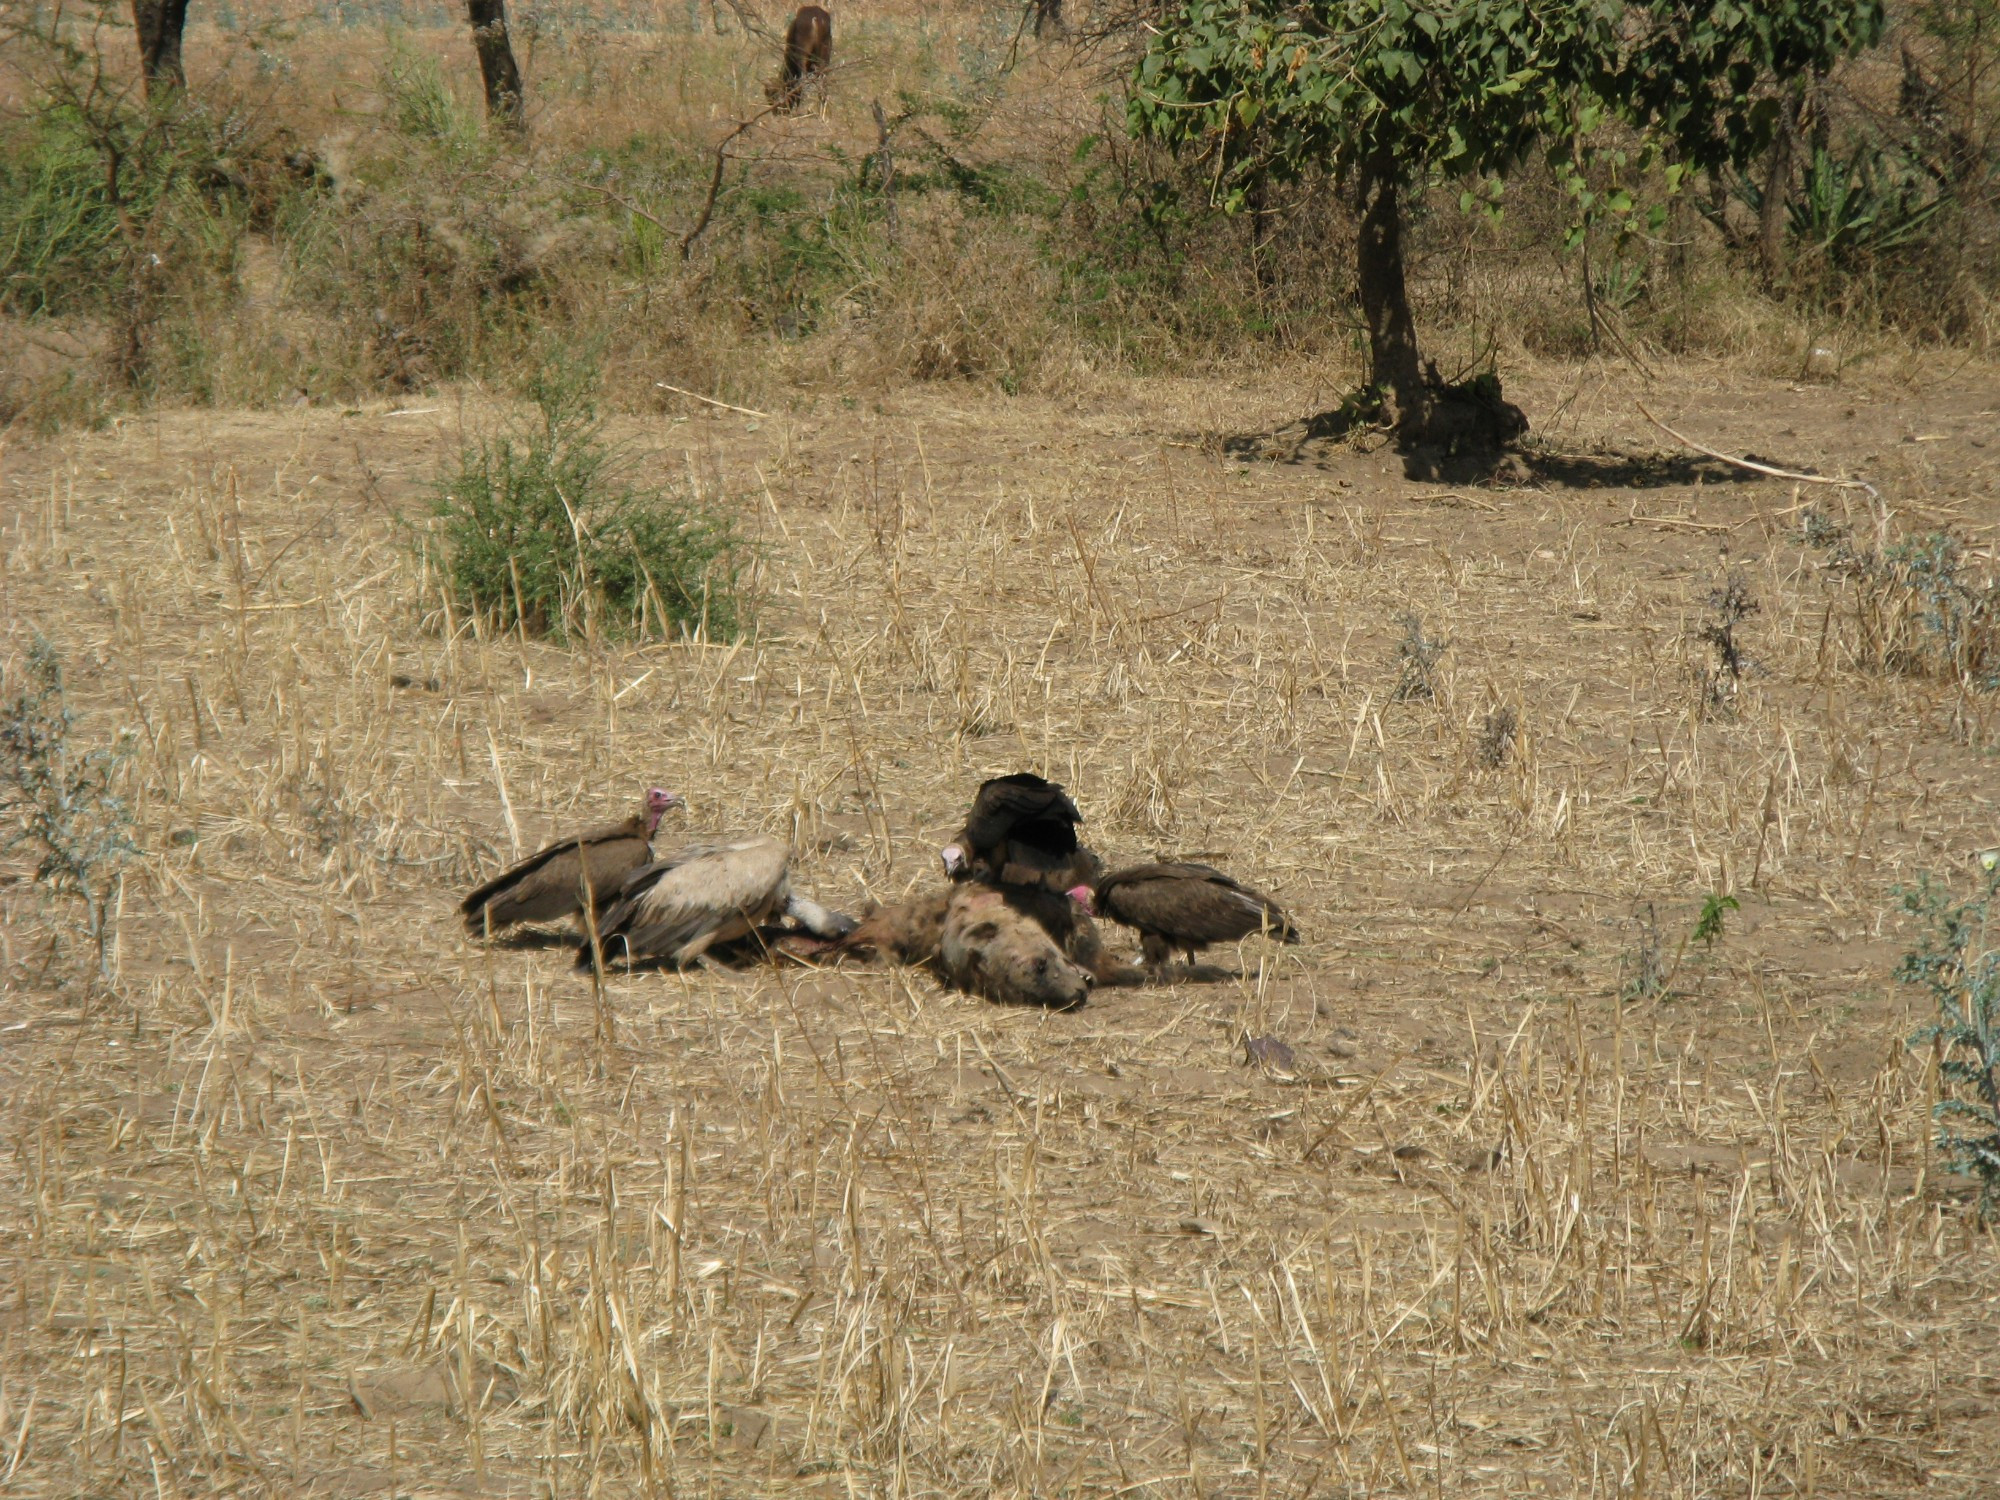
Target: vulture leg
(1155, 949)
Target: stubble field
(323, 1198)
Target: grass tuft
(62, 800)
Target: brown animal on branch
(808, 54)
(990, 948)
(680, 907)
(555, 882)
(1186, 906)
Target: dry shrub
(964, 296)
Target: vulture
(679, 907)
(1022, 831)
(907, 933)
(551, 884)
(989, 947)
(1185, 907)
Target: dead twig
(748, 411)
(1751, 464)
(722, 146)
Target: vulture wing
(1022, 831)
(548, 885)
(1190, 905)
(1023, 807)
(680, 906)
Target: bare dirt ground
(326, 1199)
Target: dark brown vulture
(1187, 907)
(907, 933)
(550, 884)
(1022, 831)
(679, 907)
(808, 54)
(990, 948)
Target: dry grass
(324, 1199)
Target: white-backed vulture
(1183, 906)
(990, 948)
(679, 907)
(551, 883)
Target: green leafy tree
(1389, 94)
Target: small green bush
(1955, 961)
(62, 249)
(546, 531)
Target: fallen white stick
(1751, 464)
(710, 400)
(506, 804)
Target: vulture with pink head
(1185, 906)
(556, 882)
(680, 907)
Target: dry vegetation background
(1017, 238)
(324, 1199)
(318, 1197)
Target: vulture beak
(658, 801)
(1082, 896)
(954, 860)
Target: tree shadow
(1324, 439)
(1617, 469)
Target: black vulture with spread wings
(1022, 831)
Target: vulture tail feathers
(473, 907)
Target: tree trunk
(159, 23)
(496, 62)
(1254, 195)
(1777, 192)
(1393, 366)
